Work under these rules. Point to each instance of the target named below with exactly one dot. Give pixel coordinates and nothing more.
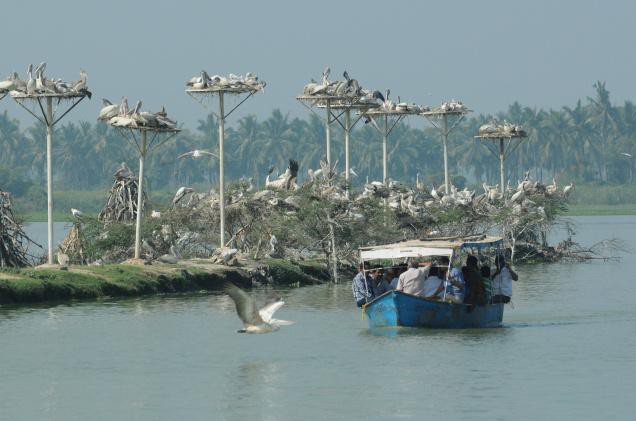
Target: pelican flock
(121, 115)
(205, 82)
(37, 84)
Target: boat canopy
(426, 248)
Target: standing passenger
(502, 281)
(412, 281)
(474, 285)
(361, 287)
(485, 276)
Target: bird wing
(268, 311)
(245, 305)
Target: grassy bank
(31, 285)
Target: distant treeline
(592, 142)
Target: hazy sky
(486, 53)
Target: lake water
(566, 352)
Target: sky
(544, 54)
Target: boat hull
(396, 308)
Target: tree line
(591, 142)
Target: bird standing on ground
(77, 214)
(254, 320)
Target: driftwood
(121, 205)
(13, 240)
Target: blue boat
(396, 308)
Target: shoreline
(41, 285)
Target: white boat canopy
(427, 248)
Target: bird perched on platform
(255, 320)
(197, 153)
(180, 193)
(77, 214)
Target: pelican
(108, 111)
(123, 108)
(626, 154)
(551, 189)
(171, 258)
(567, 190)
(325, 76)
(31, 85)
(435, 194)
(123, 172)
(197, 153)
(180, 193)
(80, 85)
(519, 196)
(77, 214)
(254, 320)
(155, 214)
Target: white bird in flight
(255, 320)
(198, 153)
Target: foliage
(592, 142)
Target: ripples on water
(565, 352)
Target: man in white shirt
(434, 284)
(412, 281)
(502, 281)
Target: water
(566, 352)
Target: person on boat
(502, 281)
(362, 287)
(412, 281)
(485, 277)
(454, 284)
(475, 293)
(380, 284)
(434, 284)
(391, 278)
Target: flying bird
(197, 153)
(254, 320)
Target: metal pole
(328, 133)
(501, 165)
(334, 256)
(221, 168)
(140, 195)
(347, 128)
(384, 154)
(49, 173)
(445, 140)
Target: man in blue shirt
(362, 287)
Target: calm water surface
(566, 352)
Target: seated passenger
(434, 284)
(361, 287)
(391, 278)
(485, 277)
(380, 285)
(412, 281)
(473, 283)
